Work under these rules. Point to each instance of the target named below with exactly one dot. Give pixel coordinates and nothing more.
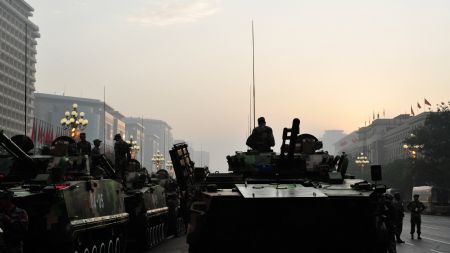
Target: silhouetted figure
(261, 138)
(14, 222)
(390, 222)
(399, 214)
(96, 149)
(83, 146)
(416, 207)
(122, 155)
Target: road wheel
(110, 247)
(117, 248)
(102, 248)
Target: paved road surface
(435, 238)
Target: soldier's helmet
(387, 196)
(97, 141)
(162, 174)
(117, 137)
(261, 120)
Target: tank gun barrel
(13, 149)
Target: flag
(418, 105)
(426, 102)
(412, 112)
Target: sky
(189, 62)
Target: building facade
(102, 125)
(329, 138)
(18, 40)
(381, 141)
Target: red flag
(418, 105)
(412, 112)
(426, 102)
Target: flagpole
(104, 120)
(254, 102)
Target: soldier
(261, 138)
(13, 221)
(416, 207)
(399, 214)
(122, 155)
(96, 149)
(83, 146)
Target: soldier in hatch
(261, 138)
(83, 146)
(122, 154)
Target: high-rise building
(18, 37)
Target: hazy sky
(189, 62)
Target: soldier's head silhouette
(83, 136)
(261, 121)
(97, 142)
(117, 137)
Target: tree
(433, 145)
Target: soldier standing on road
(261, 138)
(83, 146)
(399, 214)
(14, 222)
(416, 207)
(122, 155)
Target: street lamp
(157, 160)
(74, 121)
(169, 167)
(362, 160)
(412, 149)
(134, 147)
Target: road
(435, 238)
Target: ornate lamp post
(169, 168)
(134, 147)
(412, 149)
(362, 160)
(74, 121)
(158, 160)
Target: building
(201, 158)
(393, 140)
(158, 137)
(329, 138)
(18, 40)
(381, 141)
(51, 108)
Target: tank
(145, 202)
(69, 210)
(300, 198)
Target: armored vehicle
(146, 204)
(298, 199)
(68, 209)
